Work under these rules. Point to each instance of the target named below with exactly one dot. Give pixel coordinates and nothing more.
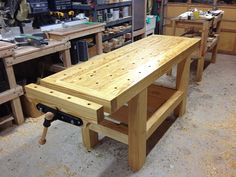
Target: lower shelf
(161, 103)
(6, 119)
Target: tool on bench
(52, 115)
(35, 40)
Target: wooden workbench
(79, 31)
(121, 83)
(204, 26)
(23, 54)
(13, 94)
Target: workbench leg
(214, 53)
(215, 49)
(90, 138)
(99, 43)
(169, 73)
(182, 81)
(66, 58)
(201, 61)
(137, 130)
(200, 68)
(15, 103)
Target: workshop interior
(105, 88)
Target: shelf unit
(106, 38)
(94, 11)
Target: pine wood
(182, 81)
(137, 130)
(90, 112)
(115, 131)
(11, 94)
(48, 116)
(15, 103)
(111, 79)
(125, 76)
(79, 31)
(6, 49)
(90, 137)
(26, 53)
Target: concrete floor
(202, 143)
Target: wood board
(112, 79)
(6, 49)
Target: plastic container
(150, 22)
(125, 11)
(116, 14)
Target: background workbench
(204, 26)
(79, 31)
(14, 92)
(13, 56)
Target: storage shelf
(106, 38)
(119, 21)
(113, 5)
(82, 7)
(126, 43)
(101, 6)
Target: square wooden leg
(214, 53)
(137, 130)
(90, 138)
(99, 43)
(200, 67)
(182, 81)
(66, 58)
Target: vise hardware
(51, 115)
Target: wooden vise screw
(47, 122)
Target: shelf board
(119, 21)
(11, 94)
(126, 43)
(113, 5)
(82, 7)
(106, 38)
(101, 6)
(6, 119)
(211, 44)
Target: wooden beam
(163, 112)
(90, 137)
(11, 94)
(115, 131)
(86, 110)
(15, 103)
(5, 119)
(30, 53)
(137, 130)
(99, 43)
(182, 81)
